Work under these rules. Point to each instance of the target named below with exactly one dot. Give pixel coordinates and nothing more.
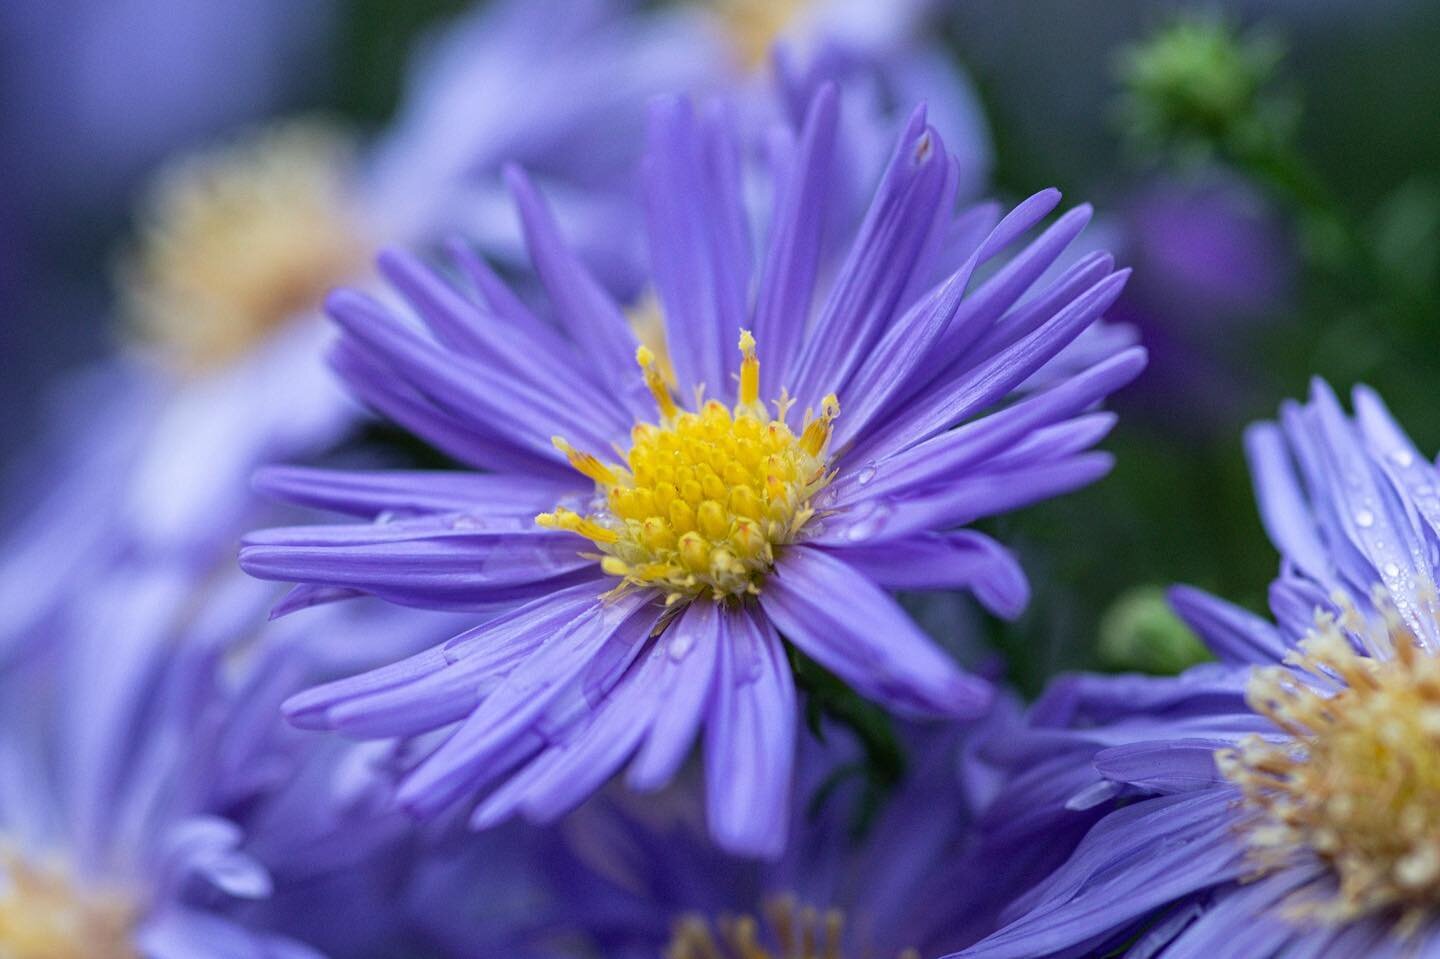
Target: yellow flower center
(1358, 780)
(703, 499)
(236, 241)
(43, 915)
(794, 932)
(755, 25)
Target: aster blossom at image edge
(1289, 790)
(652, 517)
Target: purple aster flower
(679, 536)
(1282, 801)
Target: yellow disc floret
(45, 915)
(703, 499)
(1357, 781)
(235, 241)
(754, 26)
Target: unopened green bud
(1200, 85)
(1140, 633)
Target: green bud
(1199, 85)
(1140, 633)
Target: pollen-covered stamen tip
(817, 429)
(704, 499)
(655, 380)
(585, 463)
(749, 371)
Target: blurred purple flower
(125, 758)
(632, 879)
(678, 623)
(1279, 801)
(1213, 250)
(1213, 267)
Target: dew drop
(681, 642)
(1392, 570)
(1365, 519)
(870, 523)
(1402, 458)
(865, 475)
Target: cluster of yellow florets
(45, 915)
(703, 499)
(236, 241)
(1358, 780)
(795, 932)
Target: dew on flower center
(1357, 781)
(790, 931)
(45, 915)
(704, 498)
(234, 242)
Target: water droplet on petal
(1364, 519)
(1402, 458)
(865, 475)
(1392, 570)
(681, 642)
(868, 523)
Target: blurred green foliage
(374, 44)
(1328, 112)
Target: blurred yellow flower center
(1358, 780)
(791, 931)
(755, 25)
(236, 241)
(43, 915)
(703, 499)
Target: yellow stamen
(655, 380)
(573, 522)
(647, 322)
(749, 371)
(703, 499)
(817, 431)
(585, 462)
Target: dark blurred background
(1250, 278)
